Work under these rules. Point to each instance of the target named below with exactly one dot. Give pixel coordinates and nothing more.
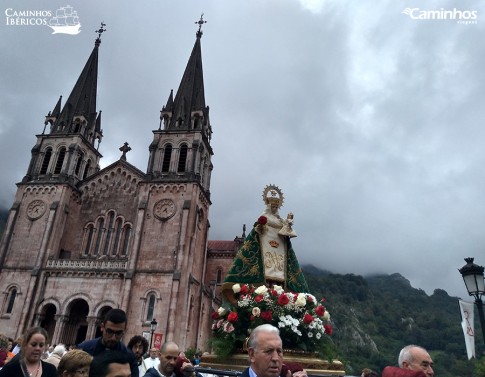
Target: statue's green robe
(248, 268)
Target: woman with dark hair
(30, 363)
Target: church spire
(188, 109)
(79, 112)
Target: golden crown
(272, 194)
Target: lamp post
(474, 282)
(153, 327)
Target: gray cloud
(368, 120)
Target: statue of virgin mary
(266, 257)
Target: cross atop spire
(100, 31)
(200, 22)
(125, 148)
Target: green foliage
(374, 317)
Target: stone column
(60, 325)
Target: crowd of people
(107, 356)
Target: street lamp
(153, 327)
(474, 282)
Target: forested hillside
(374, 317)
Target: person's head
(58, 350)
(139, 346)
(416, 358)
(33, 344)
(111, 364)
(265, 350)
(74, 363)
(10, 344)
(113, 328)
(3, 342)
(154, 352)
(169, 353)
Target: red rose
(283, 299)
(328, 329)
(307, 319)
(215, 315)
(274, 293)
(244, 290)
(266, 315)
(262, 220)
(309, 298)
(258, 298)
(323, 299)
(295, 296)
(320, 310)
(251, 317)
(232, 317)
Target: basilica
(80, 240)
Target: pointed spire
(190, 97)
(57, 109)
(79, 111)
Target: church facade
(80, 240)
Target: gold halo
(275, 195)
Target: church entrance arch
(48, 319)
(77, 324)
(99, 318)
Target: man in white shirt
(150, 362)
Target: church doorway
(77, 324)
(48, 319)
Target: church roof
(221, 245)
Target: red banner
(157, 340)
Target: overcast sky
(370, 120)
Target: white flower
(278, 289)
(326, 316)
(261, 290)
(236, 288)
(310, 334)
(221, 311)
(281, 324)
(256, 311)
(301, 300)
(318, 335)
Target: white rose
(236, 288)
(326, 316)
(278, 289)
(221, 311)
(256, 311)
(261, 290)
(301, 300)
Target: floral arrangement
(302, 320)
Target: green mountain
(374, 317)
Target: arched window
(119, 231)
(109, 233)
(11, 300)
(219, 276)
(86, 169)
(166, 158)
(150, 306)
(46, 161)
(126, 239)
(99, 235)
(89, 238)
(60, 160)
(78, 163)
(182, 158)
